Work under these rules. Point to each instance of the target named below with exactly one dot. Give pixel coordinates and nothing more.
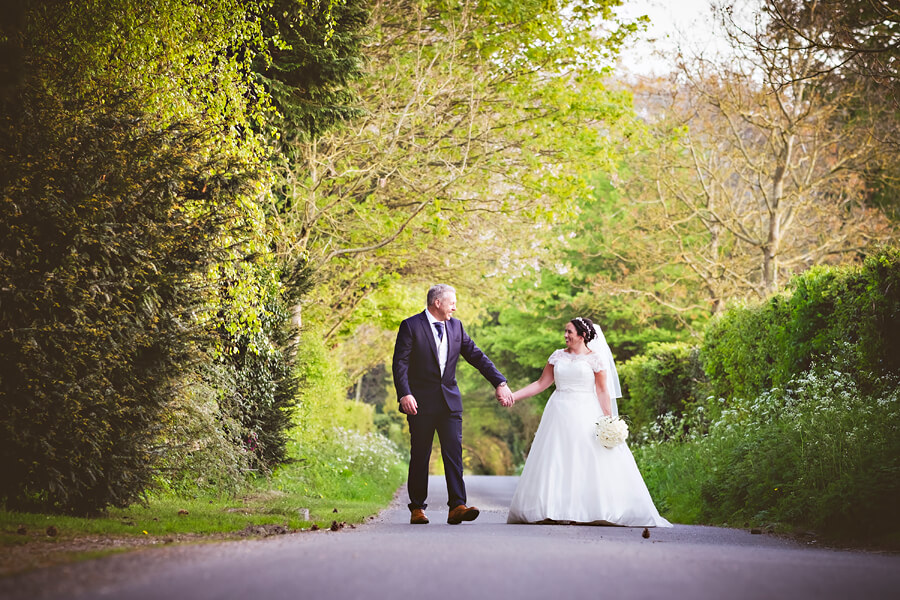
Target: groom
(428, 347)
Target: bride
(569, 476)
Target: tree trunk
(773, 239)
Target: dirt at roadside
(42, 551)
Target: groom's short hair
(436, 292)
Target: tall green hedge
(98, 261)
(667, 378)
(120, 181)
(750, 349)
(262, 391)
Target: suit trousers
(422, 427)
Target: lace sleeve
(554, 358)
(596, 362)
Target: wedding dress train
(569, 475)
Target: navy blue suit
(417, 372)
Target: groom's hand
(409, 405)
(504, 395)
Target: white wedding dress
(569, 475)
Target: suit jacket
(417, 371)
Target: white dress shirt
(440, 342)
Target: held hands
(504, 395)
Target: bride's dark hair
(585, 328)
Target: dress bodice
(574, 372)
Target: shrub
(819, 453)
(667, 378)
(199, 446)
(748, 350)
(859, 306)
(257, 346)
(741, 347)
(100, 257)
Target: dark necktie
(440, 330)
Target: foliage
(529, 323)
(199, 447)
(862, 38)
(263, 392)
(92, 328)
(741, 347)
(123, 180)
(819, 453)
(316, 53)
(853, 46)
(322, 402)
(474, 128)
(751, 349)
(346, 464)
(608, 254)
(666, 379)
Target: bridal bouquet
(611, 431)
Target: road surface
(390, 559)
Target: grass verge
(346, 479)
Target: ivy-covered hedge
(751, 349)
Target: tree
(475, 128)
(756, 175)
(859, 44)
(863, 37)
(315, 54)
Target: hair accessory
(587, 332)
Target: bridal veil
(599, 345)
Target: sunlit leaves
(129, 163)
(459, 153)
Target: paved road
(388, 559)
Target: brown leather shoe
(462, 513)
(418, 517)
